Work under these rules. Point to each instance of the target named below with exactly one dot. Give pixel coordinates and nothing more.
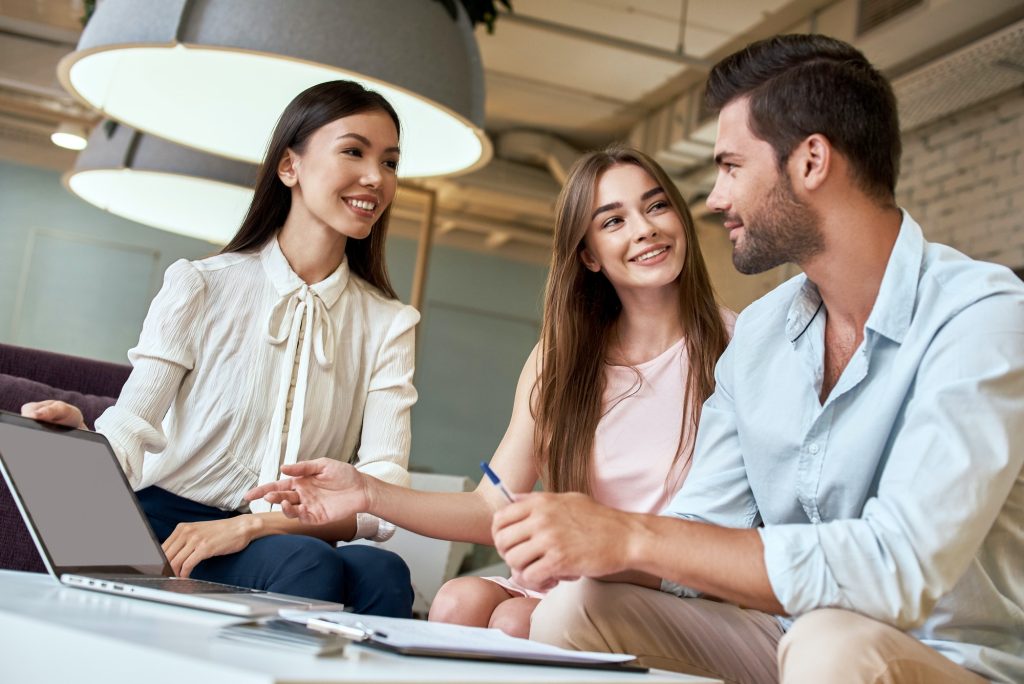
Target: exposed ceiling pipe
(539, 149)
(677, 56)
(43, 33)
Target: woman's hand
(191, 543)
(319, 491)
(52, 411)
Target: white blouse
(203, 412)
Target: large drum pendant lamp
(157, 183)
(216, 74)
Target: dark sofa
(32, 375)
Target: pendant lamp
(157, 183)
(216, 74)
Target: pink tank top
(634, 465)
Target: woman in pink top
(608, 401)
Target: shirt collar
(894, 305)
(802, 310)
(285, 280)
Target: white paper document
(439, 637)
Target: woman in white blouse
(289, 345)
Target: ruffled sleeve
(165, 354)
(386, 433)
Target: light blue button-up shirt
(902, 496)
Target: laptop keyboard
(183, 585)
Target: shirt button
(813, 448)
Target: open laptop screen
(76, 500)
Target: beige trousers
(714, 639)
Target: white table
(51, 633)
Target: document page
(441, 637)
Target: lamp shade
(216, 74)
(160, 184)
(70, 136)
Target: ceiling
(561, 77)
(594, 67)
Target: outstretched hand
(51, 411)
(319, 491)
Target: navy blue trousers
(370, 580)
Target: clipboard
(278, 632)
(549, 661)
(434, 640)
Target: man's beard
(785, 230)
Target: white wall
(963, 180)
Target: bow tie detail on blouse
(286, 317)
(301, 323)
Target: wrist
(252, 526)
(640, 541)
(371, 494)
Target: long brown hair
(579, 312)
(312, 108)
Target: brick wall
(962, 179)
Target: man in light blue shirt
(859, 467)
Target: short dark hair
(799, 85)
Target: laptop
(90, 530)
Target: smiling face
(768, 223)
(635, 237)
(345, 175)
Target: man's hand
(191, 543)
(319, 491)
(51, 411)
(547, 538)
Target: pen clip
(370, 632)
(356, 632)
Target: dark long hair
(272, 200)
(580, 310)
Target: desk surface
(49, 632)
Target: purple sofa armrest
(71, 373)
(15, 391)
(32, 375)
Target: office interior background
(561, 77)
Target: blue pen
(495, 480)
